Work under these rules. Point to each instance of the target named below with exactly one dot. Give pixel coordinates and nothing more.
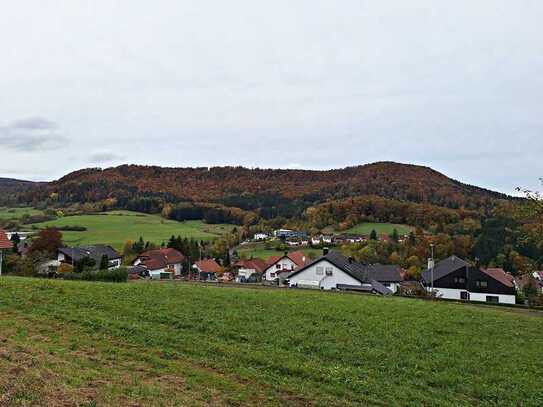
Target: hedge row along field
(186, 344)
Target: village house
(281, 264)
(207, 269)
(5, 245)
(74, 255)
(336, 271)
(260, 236)
(160, 264)
(456, 279)
(249, 270)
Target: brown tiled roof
(158, 259)
(208, 266)
(298, 258)
(253, 264)
(5, 243)
(500, 275)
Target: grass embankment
(17, 213)
(116, 227)
(260, 250)
(182, 344)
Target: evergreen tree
(104, 262)
(373, 235)
(395, 237)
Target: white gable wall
(454, 294)
(284, 264)
(310, 276)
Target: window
(464, 295)
(492, 298)
(278, 266)
(329, 271)
(481, 284)
(320, 271)
(272, 275)
(459, 280)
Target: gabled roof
(298, 258)
(252, 264)
(363, 273)
(208, 266)
(444, 268)
(5, 243)
(500, 275)
(95, 252)
(161, 258)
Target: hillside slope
(10, 188)
(257, 188)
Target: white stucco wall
(284, 264)
(454, 294)
(310, 277)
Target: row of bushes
(119, 275)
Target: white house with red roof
(207, 269)
(5, 244)
(283, 264)
(161, 263)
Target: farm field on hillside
(17, 213)
(116, 227)
(380, 228)
(189, 344)
(259, 250)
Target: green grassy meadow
(116, 227)
(259, 250)
(17, 213)
(166, 344)
(380, 228)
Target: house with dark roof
(162, 263)
(336, 271)
(288, 262)
(73, 255)
(456, 279)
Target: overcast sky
(455, 85)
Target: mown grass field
(259, 250)
(77, 343)
(17, 213)
(116, 227)
(380, 228)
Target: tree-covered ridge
(273, 192)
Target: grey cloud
(31, 134)
(104, 157)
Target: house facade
(162, 263)
(280, 264)
(456, 279)
(248, 270)
(335, 271)
(207, 269)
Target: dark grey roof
(360, 272)
(95, 252)
(444, 267)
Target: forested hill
(251, 189)
(10, 189)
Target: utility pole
(1, 261)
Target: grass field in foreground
(380, 228)
(181, 344)
(116, 227)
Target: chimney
(286, 254)
(430, 263)
(477, 263)
(351, 260)
(325, 251)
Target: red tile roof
(500, 275)
(252, 264)
(208, 266)
(159, 259)
(298, 258)
(5, 243)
